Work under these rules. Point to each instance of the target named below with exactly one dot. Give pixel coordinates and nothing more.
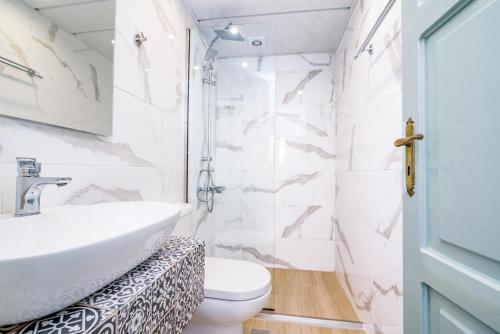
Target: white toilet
(235, 291)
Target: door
(451, 65)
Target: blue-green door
(451, 62)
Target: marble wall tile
(303, 87)
(312, 222)
(251, 246)
(315, 188)
(304, 62)
(305, 120)
(163, 86)
(366, 142)
(275, 153)
(373, 199)
(93, 184)
(296, 155)
(161, 142)
(370, 273)
(368, 208)
(305, 254)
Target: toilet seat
(235, 280)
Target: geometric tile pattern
(158, 296)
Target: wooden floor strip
(309, 294)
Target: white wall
(368, 168)
(144, 158)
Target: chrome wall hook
(140, 39)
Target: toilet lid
(235, 279)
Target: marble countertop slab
(158, 296)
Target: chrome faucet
(29, 186)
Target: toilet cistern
(29, 186)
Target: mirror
(56, 62)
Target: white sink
(52, 260)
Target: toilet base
(199, 328)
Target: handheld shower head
(211, 54)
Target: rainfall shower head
(230, 33)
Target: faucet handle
(28, 167)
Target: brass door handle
(408, 142)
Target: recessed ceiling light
(300, 92)
(257, 43)
(171, 36)
(244, 64)
(234, 30)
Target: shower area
(261, 162)
(288, 166)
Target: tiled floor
(272, 327)
(309, 294)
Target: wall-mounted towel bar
(366, 46)
(31, 72)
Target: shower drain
(260, 331)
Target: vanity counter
(158, 296)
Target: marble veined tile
(304, 155)
(368, 212)
(161, 132)
(255, 247)
(372, 198)
(284, 185)
(305, 61)
(305, 120)
(312, 222)
(315, 188)
(304, 86)
(92, 185)
(155, 71)
(374, 286)
(306, 254)
(361, 145)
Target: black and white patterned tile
(163, 295)
(121, 291)
(135, 317)
(158, 296)
(74, 320)
(167, 324)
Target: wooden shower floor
(309, 294)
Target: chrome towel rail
(366, 46)
(31, 72)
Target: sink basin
(52, 260)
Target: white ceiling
(287, 26)
(92, 21)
